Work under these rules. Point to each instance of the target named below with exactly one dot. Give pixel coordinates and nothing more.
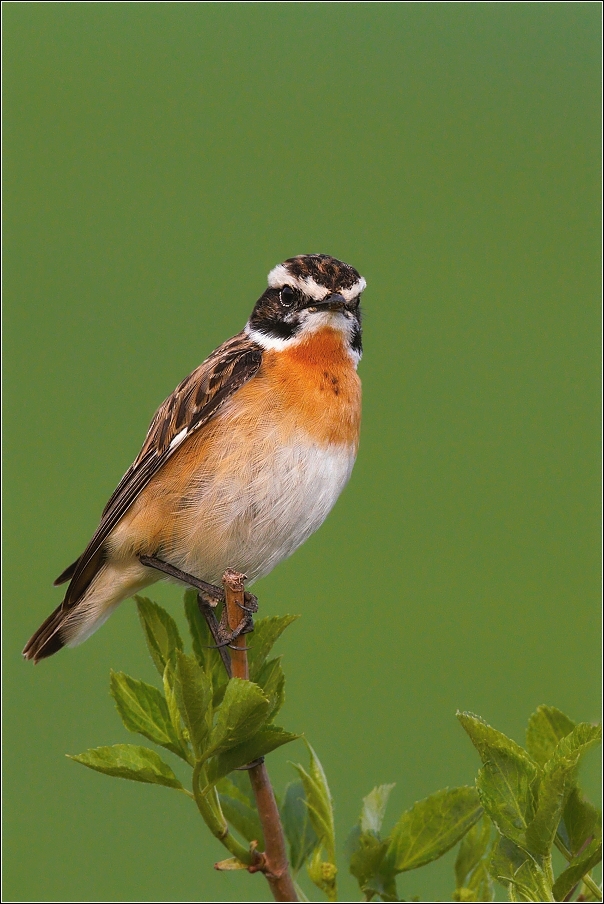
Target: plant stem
(234, 598)
(586, 879)
(275, 867)
(215, 821)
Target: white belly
(253, 518)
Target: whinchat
(242, 462)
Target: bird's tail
(47, 639)
(76, 619)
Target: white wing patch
(179, 438)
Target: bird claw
(225, 635)
(252, 600)
(208, 597)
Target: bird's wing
(192, 404)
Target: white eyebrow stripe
(280, 276)
(312, 289)
(359, 286)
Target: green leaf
(519, 873)
(202, 641)
(260, 641)
(546, 727)
(553, 792)
(530, 884)
(169, 682)
(240, 782)
(233, 787)
(479, 888)
(268, 738)
(506, 858)
(239, 812)
(160, 630)
(432, 826)
(581, 822)
(472, 849)
(368, 864)
(193, 692)
(219, 690)
(366, 850)
(198, 628)
(301, 836)
(480, 884)
(559, 774)
(506, 783)
(473, 880)
(144, 710)
(374, 808)
(582, 738)
(577, 868)
(242, 713)
(139, 764)
(318, 800)
(272, 681)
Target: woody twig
(273, 861)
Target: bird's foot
(208, 598)
(225, 635)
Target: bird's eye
(287, 296)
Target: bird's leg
(208, 597)
(209, 592)
(245, 626)
(208, 613)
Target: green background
(160, 158)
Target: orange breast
(317, 387)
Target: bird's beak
(334, 302)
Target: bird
(241, 463)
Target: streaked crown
(304, 294)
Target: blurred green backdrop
(160, 158)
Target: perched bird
(241, 463)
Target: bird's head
(306, 294)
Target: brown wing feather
(67, 574)
(192, 404)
